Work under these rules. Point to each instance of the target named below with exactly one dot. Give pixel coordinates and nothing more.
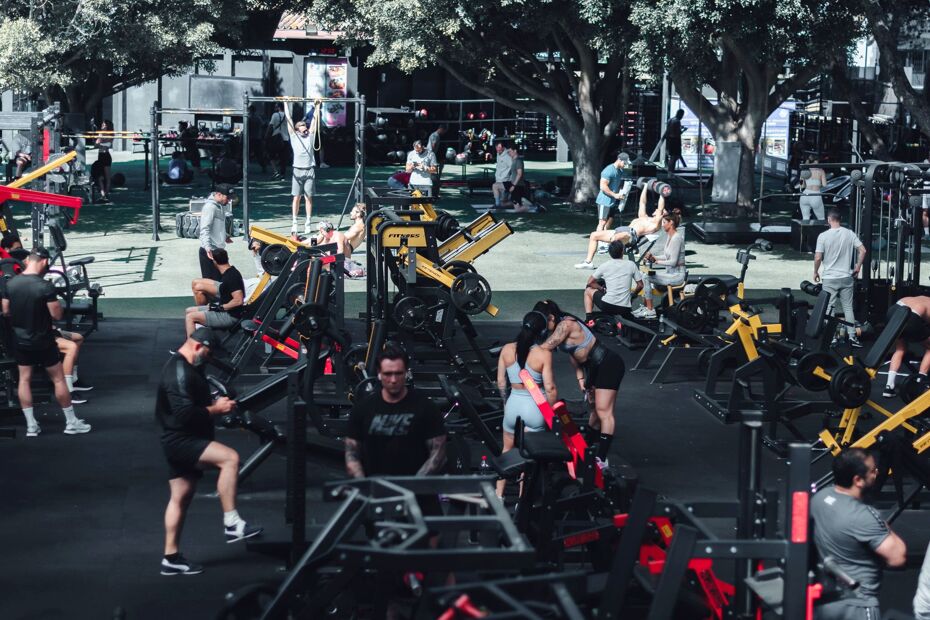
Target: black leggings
(604, 369)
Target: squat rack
(358, 182)
(156, 113)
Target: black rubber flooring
(81, 529)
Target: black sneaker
(179, 566)
(242, 531)
(855, 343)
(81, 387)
(888, 392)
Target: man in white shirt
(303, 167)
(421, 163)
(501, 174)
(835, 251)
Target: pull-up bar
(304, 99)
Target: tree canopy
(83, 50)
(563, 58)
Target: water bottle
(485, 467)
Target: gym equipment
(79, 296)
(654, 185)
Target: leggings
(660, 278)
(812, 201)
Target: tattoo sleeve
(353, 460)
(558, 337)
(437, 456)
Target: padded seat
(509, 464)
(81, 306)
(78, 262)
(731, 282)
(544, 447)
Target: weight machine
(358, 182)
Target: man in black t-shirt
(31, 305)
(227, 293)
(184, 408)
(395, 431)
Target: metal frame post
(245, 165)
(360, 152)
(156, 207)
(797, 531)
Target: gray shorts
(302, 181)
(220, 320)
(605, 211)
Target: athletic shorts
(915, 329)
(302, 181)
(105, 158)
(623, 311)
(605, 211)
(604, 369)
(220, 320)
(183, 455)
(46, 357)
(634, 238)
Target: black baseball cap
(203, 335)
(40, 252)
(224, 188)
(622, 156)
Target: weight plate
(711, 288)
(295, 294)
(366, 387)
(694, 313)
(310, 320)
(470, 293)
(354, 360)
(850, 386)
(274, 257)
(912, 388)
(457, 267)
(805, 370)
(410, 313)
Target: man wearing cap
(31, 305)
(213, 229)
(185, 408)
(615, 184)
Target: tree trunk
(747, 178)
(587, 147)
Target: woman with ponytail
(598, 369)
(524, 353)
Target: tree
(897, 24)
(80, 51)
(754, 54)
(563, 58)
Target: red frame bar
(31, 195)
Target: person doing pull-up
(643, 225)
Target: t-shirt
(182, 401)
(618, 275)
(278, 126)
(615, 179)
(514, 167)
(427, 160)
(393, 436)
(303, 150)
(433, 142)
(502, 167)
(922, 596)
(850, 532)
(838, 246)
(230, 282)
(29, 295)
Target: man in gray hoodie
(213, 229)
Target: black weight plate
(805, 370)
(366, 387)
(912, 388)
(295, 294)
(458, 267)
(850, 386)
(274, 257)
(694, 313)
(470, 293)
(410, 313)
(710, 287)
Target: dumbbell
(810, 288)
(655, 185)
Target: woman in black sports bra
(598, 369)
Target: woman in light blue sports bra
(515, 356)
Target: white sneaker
(33, 431)
(307, 227)
(77, 428)
(602, 248)
(648, 314)
(602, 465)
(638, 311)
(294, 227)
(584, 265)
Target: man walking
(31, 305)
(673, 133)
(213, 230)
(502, 174)
(835, 250)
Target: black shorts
(105, 158)
(517, 192)
(915, 329)
(182, 456)
(207, 268)
(46, 357)
(604, 369)
(623, 311)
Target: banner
(326, 77)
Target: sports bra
(513, 372)
(571, 348)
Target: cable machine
(156, 113)
(358, 182)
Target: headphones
(325, 227)
(527, 325)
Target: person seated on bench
(179, 173)
(672, 258)
(399, 180)
(614, 297)
(644, 224)
(356, 233)
(229, 290)
(524, 352)
(69, 345)
(917, 330)
(599, 371)
(327, 233)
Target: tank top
(513, 372)
(571, 348)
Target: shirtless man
(630, 235)
(327, 233)
(356, 233)
(917, 329)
